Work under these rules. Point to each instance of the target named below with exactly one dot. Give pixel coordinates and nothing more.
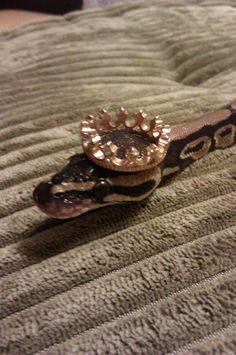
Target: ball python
(126, 157)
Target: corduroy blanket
(148, 278)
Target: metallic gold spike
(156, 133)
(153, 121)
(85, 123)
(166, 129)
(130, 122)
(122, 115)
(90, 120)
(104, 115)
(86, 143)
(88, 131)
(158, 124)
(140, 116)
(104, 120)
(156, 127)
(145, 126)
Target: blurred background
(48, 6)
(14, 13)
(54, 6)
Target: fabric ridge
(149, 278)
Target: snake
(127, 157)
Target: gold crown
(125, 143)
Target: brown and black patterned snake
(125, 159)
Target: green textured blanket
(138, 279)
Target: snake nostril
(42, 193)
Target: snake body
(83, 185)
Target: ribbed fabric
(149, 278)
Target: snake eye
(101, 190)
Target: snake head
(79, 187)
(120, 164)
(82, 186)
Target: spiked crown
(125, 143)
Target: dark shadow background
(48, 6)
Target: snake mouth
(61, 205)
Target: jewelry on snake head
(126, 157)
(125, 143)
